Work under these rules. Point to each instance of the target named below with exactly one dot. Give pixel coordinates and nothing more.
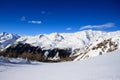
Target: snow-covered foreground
(105, 67)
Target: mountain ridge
(92, 43)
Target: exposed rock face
(99, 49)
(106, 46)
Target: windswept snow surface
(105, 67)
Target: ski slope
(105, 67)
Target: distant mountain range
(57, 47)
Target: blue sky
(32, 17)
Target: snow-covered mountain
(7, 39)
(69, 40)
(61, 47)
(81, 44)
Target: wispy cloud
(23, 18)
(69, 28)
(43, 12)
(107, 25)
(35, 22)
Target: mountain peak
(81, 42)
(3, 33)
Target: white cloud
(23, 18)
(107, 25)
(68, 28)
(35, 22)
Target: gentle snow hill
(105, 67)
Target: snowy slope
(97, 48)
(88, 43)
(83, 44)
(7, 39)
(60, 40)
(69, 40)
(105, 67)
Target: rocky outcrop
(36, 53)
(96, 50)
